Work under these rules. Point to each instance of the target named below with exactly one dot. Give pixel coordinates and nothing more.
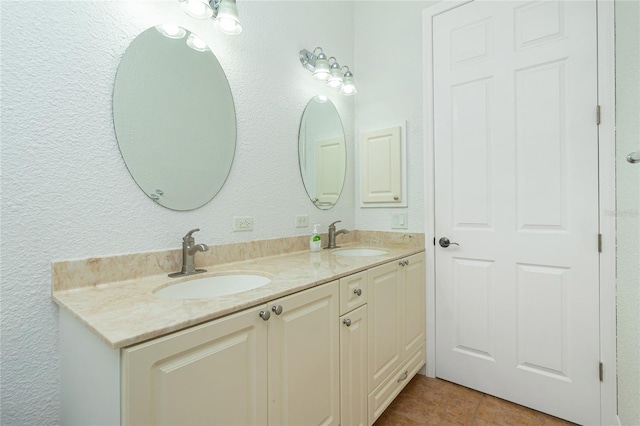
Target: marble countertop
(127, 312)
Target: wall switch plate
(242, 223)
(399, 220)
(302, 221)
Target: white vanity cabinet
(334, 354)
(242, 369)
(396, 314)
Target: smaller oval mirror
(174, 117)
(322, 152)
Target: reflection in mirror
(322, 152)
(174, 117)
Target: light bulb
(199, 9)
(196, 43)
(335, 79)
(228, 20)
(171, 30)
(322, 67)
(348, 88)
(228, 26)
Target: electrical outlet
(399, 221)
(242, 223)
(302, 221)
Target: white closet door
(516, 187)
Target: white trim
(429, 162)
(607, 179)
(606, 98)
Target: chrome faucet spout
(189, 250)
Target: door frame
(607, 197)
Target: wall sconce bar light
(328, 70)
(224, 13)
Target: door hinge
(598, 114)
(599, 243)
(601, 371)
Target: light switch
(399, 220)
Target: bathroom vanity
(332, 339)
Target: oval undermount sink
(360, 252)
(208, 287)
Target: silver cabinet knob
(277, 309)
(444, 242)
(404, 376)
(404, 262)
(357, 292)
(265, 315)
(395, 198)
(347, 322)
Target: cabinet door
(381, 166)
(413, 292)
(385, 321)
(212, 374)
(304, 371)
(353, 368)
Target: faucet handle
(189, 235)
(334, 223)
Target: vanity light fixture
(171, 30)
(224, 13)
(328, 70)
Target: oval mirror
(322, 152)
(174, 117)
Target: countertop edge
(117, 340)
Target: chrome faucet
(333, 233)
(189, 250)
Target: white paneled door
(516, 157)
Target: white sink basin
(360, 252)
(208, 287)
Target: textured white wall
(66, 192)
(388, 49)
(628, 209)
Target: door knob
(277, 309)
(357, 292)
(347, 322)
(444, 242)
(265, 315)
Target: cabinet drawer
(384, 394)
(353, 292)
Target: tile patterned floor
(428, 401)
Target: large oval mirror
(322, 152)
(174, 117)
